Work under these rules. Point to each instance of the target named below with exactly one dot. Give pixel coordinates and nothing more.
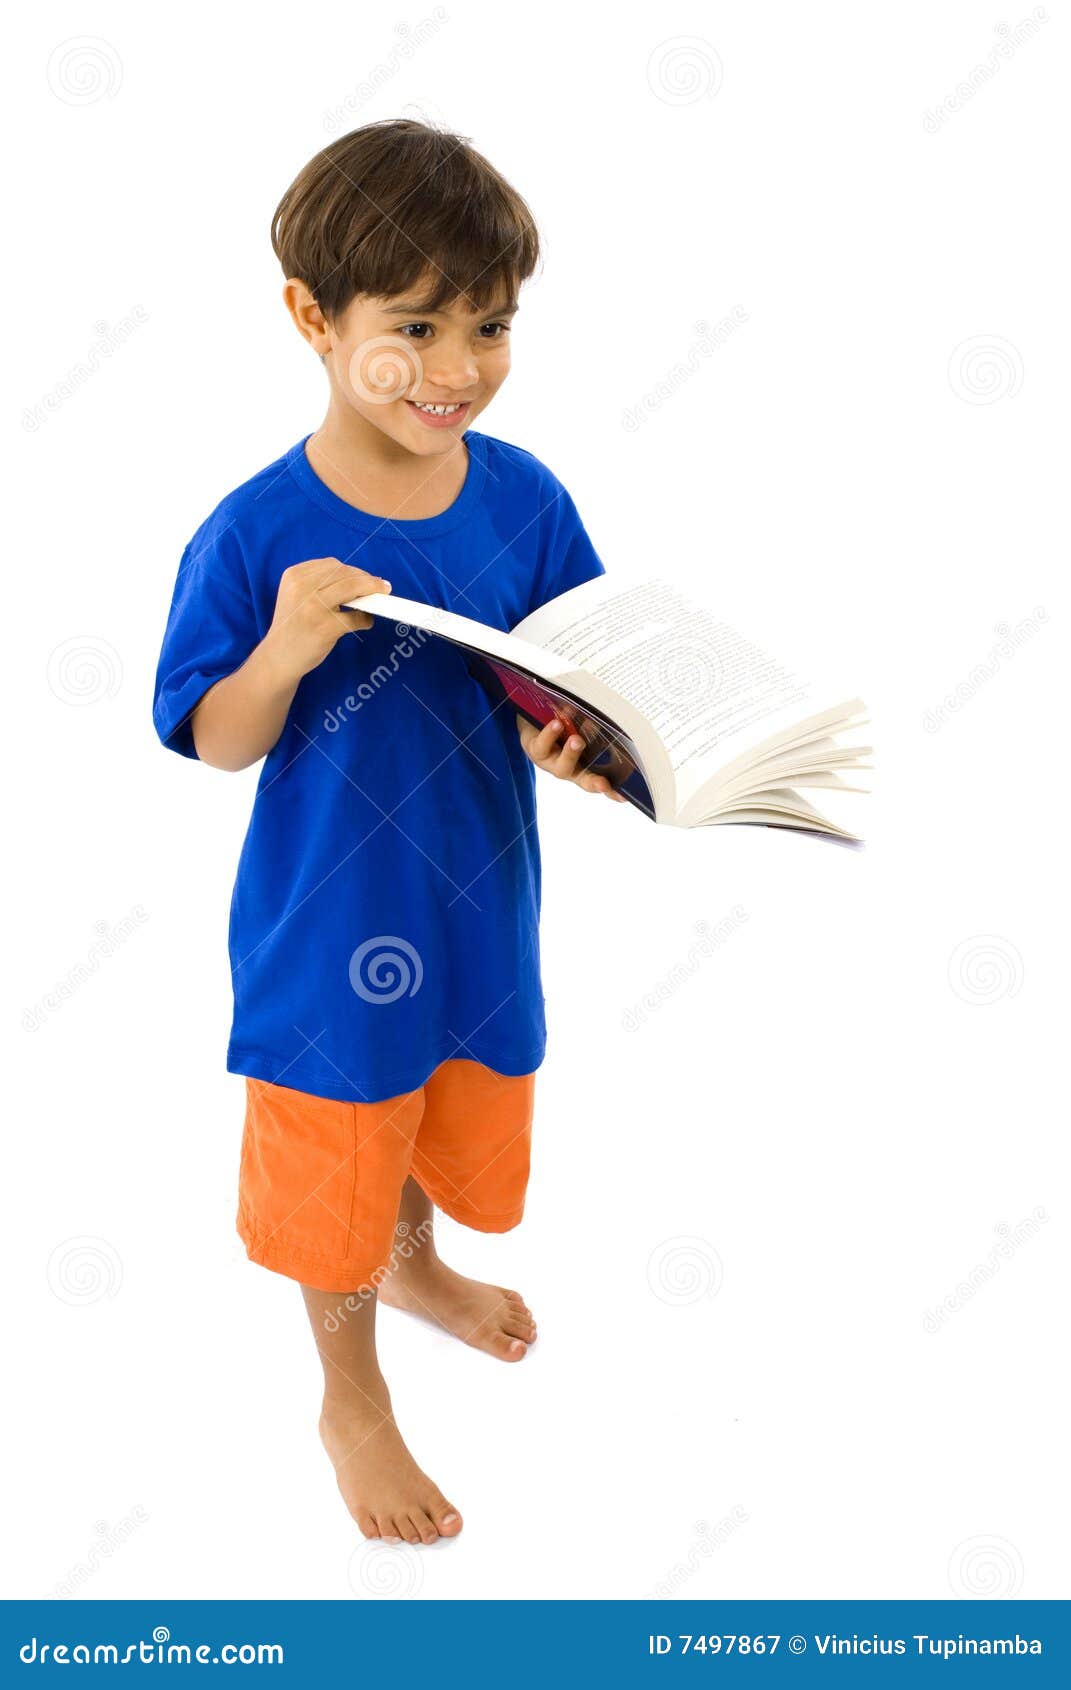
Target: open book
(691, 721)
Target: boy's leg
(384, 1489)
(470, 1157)
(489, 1317)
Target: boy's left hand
(542, 746)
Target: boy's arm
(240, 718)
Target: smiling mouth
(439, 410)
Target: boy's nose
(453, 375)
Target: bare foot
(382, 1486)
(486, 1316)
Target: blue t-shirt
(385, 915)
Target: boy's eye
(422, 330)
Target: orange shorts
(320, 1181)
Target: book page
(463, 630)
(637, 760)
(698, 682)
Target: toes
(366, 1524)
(508, 1348)
(516, 1307)
(446, 1518)
(518, 1327)
(424, 1525)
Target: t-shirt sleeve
(567, 557)
(211, 630)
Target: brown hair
(381, 206)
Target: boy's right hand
(308, 620)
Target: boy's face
(389, 361)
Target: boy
(384, 944)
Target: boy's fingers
(540, 746)
(352, 583)
(569, 755)
(355, 619)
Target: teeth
(437, 410)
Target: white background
(743, 1208)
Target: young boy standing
(384, 942)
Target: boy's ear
(309, 320)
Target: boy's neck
(368, 469)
